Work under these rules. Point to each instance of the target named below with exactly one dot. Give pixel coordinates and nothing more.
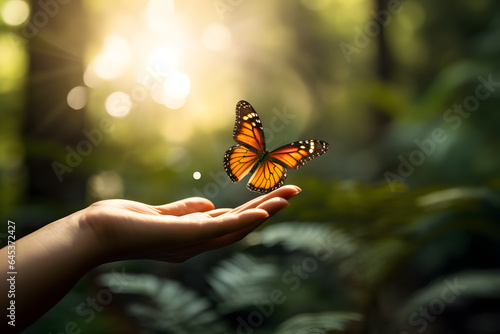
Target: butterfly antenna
(277, 145)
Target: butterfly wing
(238, 162)
(267, 177)
(248, 129)
(249, 134)
(271, 172)
(296, 154)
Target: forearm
(48, 262)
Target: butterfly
(267, 168)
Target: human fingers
(271, 206)
(192, 228)
(227, 223)
(218, 212)
(213, 233)
(273, 201)
(196, 248)
(185, 206)
(285, 192)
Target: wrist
(80, 240)
(89, 238)
(98, 234)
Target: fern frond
(307, 237)
(240, 280)
(170, 306)
(456, 290)
(317, 323)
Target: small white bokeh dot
(196, 175)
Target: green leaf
(240, 280)
(306, 236)
(455, 289)
(169, 306)
(316, 323)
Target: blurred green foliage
(408, 195)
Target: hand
(177, 231)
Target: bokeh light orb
(118, 104)
(15, 12)
(77, 97)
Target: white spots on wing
(311, 148)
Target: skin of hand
(52, 259)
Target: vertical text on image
(11, 273)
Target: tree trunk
(55, 36)
(383, 67)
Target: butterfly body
(261, 156)
(268, 169)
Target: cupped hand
(176, 231)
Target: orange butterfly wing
(297, 154)
(268, 177)
(239, 161)
(248, 129)
(249, 134)
(271, 173)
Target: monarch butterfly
(249, 155)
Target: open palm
(177, 231)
